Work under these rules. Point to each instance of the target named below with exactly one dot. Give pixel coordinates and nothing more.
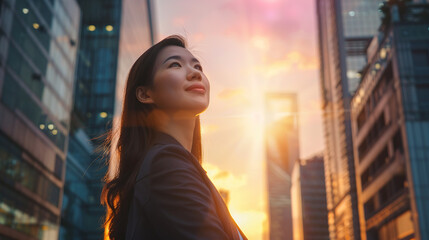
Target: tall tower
(390, 120)
(345, 30)
(38, 45)
(282, 151)
(308, 192)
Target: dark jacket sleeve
(178, 204)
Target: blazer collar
(165, 138)
(221, 208)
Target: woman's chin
(191, 112)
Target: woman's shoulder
(165, 157)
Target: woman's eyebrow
(179, 58)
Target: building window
(420, 57)
(386, 195)
(58, 167)
(375, 168)
(25, 215)
(15, 97)
(370, 207)
(16, 170)
(401, 227)
(423, 100)
(361, 118)
(373, 135)
(397, 142)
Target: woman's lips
(196, 88)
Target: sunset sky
(248, 48)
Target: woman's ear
(143, 95)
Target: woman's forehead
(176, 51)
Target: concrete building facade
(390, 119)
(345, 30)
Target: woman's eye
(199, 67)
(175, 64)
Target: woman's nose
(194, 74)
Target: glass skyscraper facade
(82, 214)
(38, 45)
(308, 194)
(113, 35)
(282, 151)
(390, 116)
(345, 29)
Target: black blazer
(175, 199)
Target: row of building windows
(14, 97)
(29, 47)
(374, 169)
(23, 38)
(35, 27)
(387, 194)
(373, 135)
(29, 18)
(57, 103)
(34, 83)
(382, 160)
(24, 215)
(96, 74)
(16, 170)
(420, 57)
(401, 227)
(60, 27)
(375, 97)
(356, 47)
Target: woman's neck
(177, 126)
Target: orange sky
(248, 48)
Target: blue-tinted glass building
(38, 45)
(113, 35)
(308, 194)
(390, 120)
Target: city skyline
(248, 48)
(285, 86)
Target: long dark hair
(134, 136)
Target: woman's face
(179, 84)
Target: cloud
(235, 97)
(222, 174)
(231, 93)
(291, 61)
(179, 21)
(208, 128)
(223, 179)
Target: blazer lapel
(221, 207)
(228, 222)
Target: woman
(160, 190)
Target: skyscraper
(94, 99)
(390, 119)
(38, 44)
(345, 29)
(114, 33)
(308, 193)
(282, 151)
